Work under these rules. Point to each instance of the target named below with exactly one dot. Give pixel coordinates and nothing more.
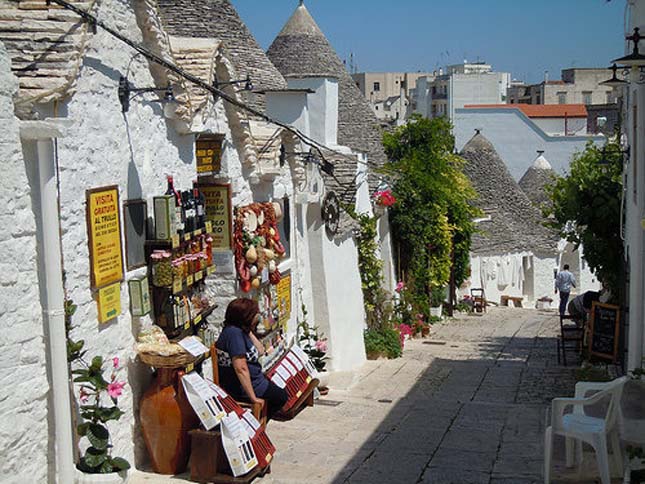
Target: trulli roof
(515, 225)
(536, 178)
(217, 19)
(302, 50)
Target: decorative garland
(257, 244)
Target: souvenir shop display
(258, 248)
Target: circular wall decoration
(331, 213)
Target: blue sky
(518, 36)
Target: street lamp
(614, 81)
(127, 92)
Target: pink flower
(400, 286)
(321, 345)
(83, 396)
(115, 362)
(115, 389)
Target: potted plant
(98, 398)
(437, 298)
(315, 345)
(383, 199)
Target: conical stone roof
(302, 50)
(217, 19)
(515, 225)
(536, 178)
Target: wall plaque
(208, 152)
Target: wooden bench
(517, 301)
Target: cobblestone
(468, 411)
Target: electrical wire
(95, 22)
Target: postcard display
(258, 250)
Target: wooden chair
(259, 411)
(569, 333)
(479, 300)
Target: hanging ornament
(330, 212)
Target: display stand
(208, 463)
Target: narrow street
(467, 405)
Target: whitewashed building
(634, 198)
(65, 131)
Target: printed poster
(284, 300)
(218, 212)
(109, 302)
(104, 236)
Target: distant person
(580, 306)
(564, 281)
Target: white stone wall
(516, 138)
(538, 278)
(24, 425)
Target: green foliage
(438, 296)
(93, 385)
(586, 210)
(433, 213)
(371, 270)
(312, 342)
(382, 342)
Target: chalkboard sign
(603, 331)
(135, 220)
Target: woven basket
(174, 361)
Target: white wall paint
(25, 427)
(323, 107)
(516, 138)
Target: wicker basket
(160, 361)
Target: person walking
(564, 281)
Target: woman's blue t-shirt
(234, 342)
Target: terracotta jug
(166, 418)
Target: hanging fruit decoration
(257, 244)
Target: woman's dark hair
(241, 312)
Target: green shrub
(382, 342)
(438, 296)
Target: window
(377, 87)
(538, 100)
(586, 97)
(562, 98)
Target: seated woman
(238, 351)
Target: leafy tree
(586, 209)
(432, 219)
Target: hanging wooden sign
(104, 236)
(208, 152)
(604, 331)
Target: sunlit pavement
(466, 405)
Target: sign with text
(109, 302)
(604, 330)
(283, 302)
(218, 212)
(208, 152)
(104, 236)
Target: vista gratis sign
(104, 233)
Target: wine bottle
(179, 219)
(188, 203)
(200, 206)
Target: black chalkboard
(603, 331)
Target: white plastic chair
(578, 427)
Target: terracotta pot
(166, 418)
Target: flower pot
(112, 478)
(425, 331)
(436, 311)
(166, 418)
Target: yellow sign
(218, 213)
(104, 232)
(209, 155)
(109, 302)
(284, 299)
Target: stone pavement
(467, 405)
